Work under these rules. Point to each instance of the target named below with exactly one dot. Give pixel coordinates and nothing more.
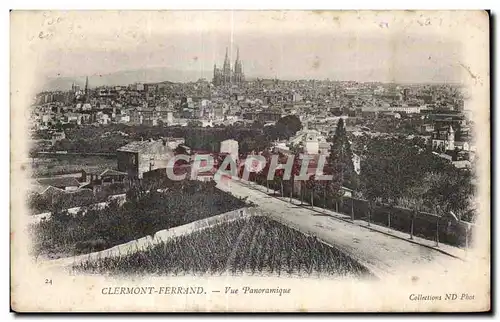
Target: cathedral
(226, 75)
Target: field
(256, 245)
(141, 215)
(65, 164)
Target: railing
(423, 224)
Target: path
(382, 252)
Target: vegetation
(108, 138)
(143, 213)
(57, 200)
(285, 128)
(256, 245)
(405, 125)
(396, 173)
(395, 170)
(64, 164)
(340, 160)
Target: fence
(425, 225)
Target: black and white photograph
(265, 161)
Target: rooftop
(137, 146)
(59, 182)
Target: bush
(143, 214)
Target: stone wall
(159, 237)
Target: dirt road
(383, 254)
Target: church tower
(226, 70)
(226, 75)
(216, 79)
(238, 73)
(86, 93)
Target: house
(122, 118)
(107, 176)
(426, 128)
(173, 143)
(310, 141)
(406, 109)
(230, 147)
(138, 157)
(57, 136)
(103, 118)
(448, 139)
(96, 180)
(263, 116)
(63, 183)
(74, 118)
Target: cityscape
(250, 161)
(226, 174)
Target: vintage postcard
(250, 161)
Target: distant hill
(149, 75)
(160, 74)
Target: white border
(185, 4)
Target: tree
(340, 159)
(390, 167)
(287, 127)
(278, 179)
(295, 172)
(439, 213)
(194, 123)
(415, 203)
(263, 173)
(180, 149)
(311, 186)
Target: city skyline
(446, 73)
(380, 50)
(319, 63)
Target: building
(444, 140)
(105, 177)
(356, 162)
(230, 147)
(138, 157)
(263, 116)
(96, 180)
(63, 183)
(426, 128)
(314, 143)
(172, 143)
(310, 141)
(86, 91)
(406, 94)
(226, 75)
(406, 109)
(57, 136)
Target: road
(383, 254)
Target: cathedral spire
(226, 59)
(86, 93)
(226, 69)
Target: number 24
(48, 281)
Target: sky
(355, 46)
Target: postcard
(250, 161)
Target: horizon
(288, 45)
(80, 80)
